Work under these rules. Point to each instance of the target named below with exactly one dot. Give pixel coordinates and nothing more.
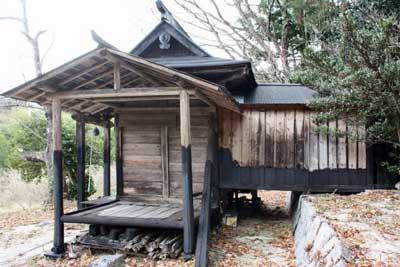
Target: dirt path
(20, 243)
(264, 239)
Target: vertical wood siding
(286, 138)
(152, 152)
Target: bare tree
(38, 58)
(254, 34)
(32, 38)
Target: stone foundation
(316, 243)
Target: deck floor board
(132, 214)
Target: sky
(122, 23)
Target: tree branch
(12, 18)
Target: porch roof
(86, 84)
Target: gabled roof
(277, 94)
(179, 42)
(168, 37)
(170, 45)
(94, 70)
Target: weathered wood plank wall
(152, 162)
(286, 138)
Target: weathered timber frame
(58, 242)
(80, 168)
(106, 161)
(188, 216)
(82, 87)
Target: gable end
(166, 41)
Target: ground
(368, 223)
(27, 233)
(264, 240)
(261, 240)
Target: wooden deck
(131, 214)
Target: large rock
(316, 243)
(116, 260)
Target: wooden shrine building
(188, 127)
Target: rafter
(99, 76)
(36, 96)
(99, 110)
(117, 76)
(81, 73)
(111, 81)
(140, 73)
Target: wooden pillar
(106, 162)
(58, 242)
(80, 155)
(165, 161)
(188, 216)
(117, 76)
(118, 156)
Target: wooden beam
(135, 99)
(104, 93)
(98, 76)
(118, 156)
(133, 83)
(96, 120)
(46, 88)
(164, 70)
(201, 110)
(132, 69)
(99, 109)
(204, 98)
(188, 215)
(83, 72)
(117, 76)
(63, 103)
(91, 107)
(165, 161)
(58, 242)
(53, 73)
(106, 162)
(78, 104)
(80, 159)
(111, 81)
(36, 96)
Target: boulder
(116, 260)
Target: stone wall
(316, 243)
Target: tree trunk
(285, 44)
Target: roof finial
(167, 16)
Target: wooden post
(106, 162)
(80, 154)
(165, 161)
(188, 216)
(118, 156)
(117, 76)
(58, 242)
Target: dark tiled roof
(277, 94)
(195, 61)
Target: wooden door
(142, 160)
